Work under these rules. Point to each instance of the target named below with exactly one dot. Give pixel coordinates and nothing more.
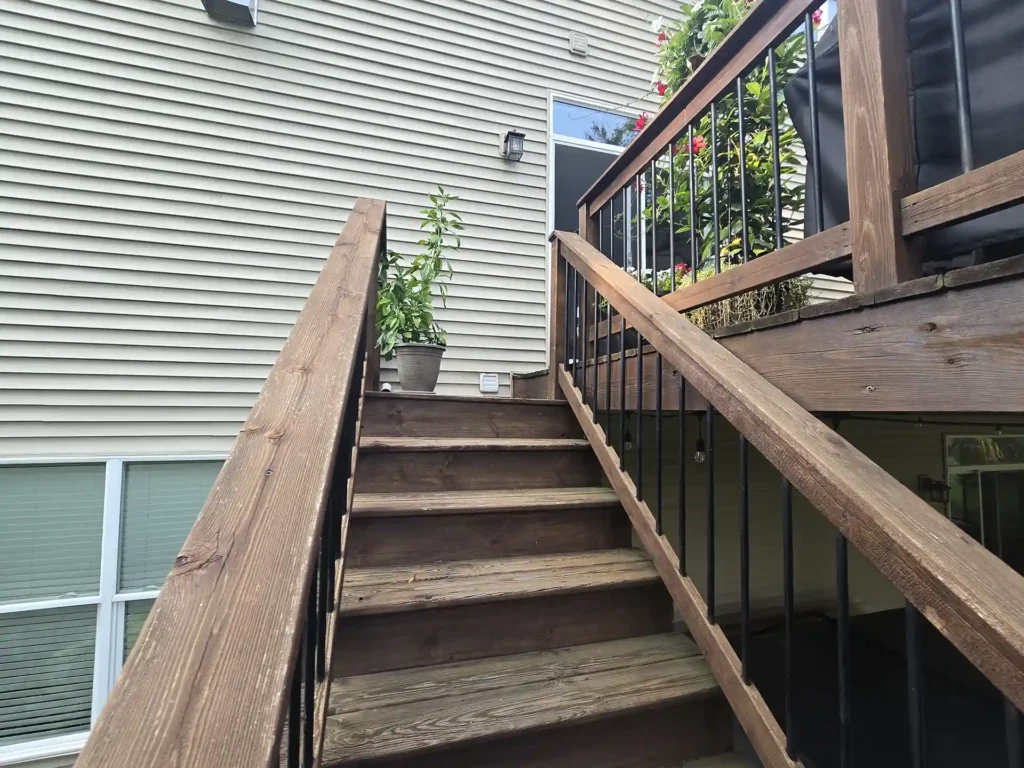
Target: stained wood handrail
(208, 681)
(973, 598)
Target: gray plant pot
(418, 366)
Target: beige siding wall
(169, 188)
(905, 451)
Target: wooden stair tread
(468, 502)
(431, 397)
(413, 587)
(416, 710)
(372, 444)
(730, 760)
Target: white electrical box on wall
(489, 383)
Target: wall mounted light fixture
(512, 146)
(241, 12)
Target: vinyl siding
(170, 186)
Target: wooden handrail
(765, 22)
(973, 598)
(207, 683)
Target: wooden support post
(556, 323)
(879, 139)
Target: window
(590, 124)
(84, 550)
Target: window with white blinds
(135, 614)
(46, 672)
(161, 502)
(51, 525)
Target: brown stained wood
(418, 638)
(437, 585)
(982, 273)
(558, 287)
(425, 725)
(955, 351)
(533, 385)
(400, 687)
(666, 736)
(751, 711)
(234, 599)
(390, 415)
(379, 541)
(475, 470)
(454, 444)
(474, 502)
(971, 596)
(731, 760)
(879, 140)
(766, 21)
(990, 188)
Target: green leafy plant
(405, 298)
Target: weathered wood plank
(879, 140)
(416, 587)
(971, 596)
(473, 502)
(233, 601)
(556, 321)
(747, 704)
(457, 444)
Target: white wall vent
(578, 43)
(489, 383)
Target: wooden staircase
(494, 612)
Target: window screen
(135, 614)
(51, 525)
(46, 667)
(161, 502)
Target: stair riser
(396, 417)
(410, 472)
(665, 736)
(437, 636)
(406, 540)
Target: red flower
(682, 268)
(662, 37)
(816, 17)
(641, 121)
(661, 88)
(699, 143)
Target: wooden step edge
(465, 398)
(726, 760)
(438, 503)
(371, 444)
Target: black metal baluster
(673, 147)
(710, 459)
(744, 560)
(608, 326)
(658, 362)
(1014, 747)
(787, 602)
(568, 271)
(682, 474)
(714, 188)
(594, 326)
(321, 608)
(915, 691)
(776, 172)
(843, 646)
(639, 354)
(622, 345)
(583, 341)
(741, 126)
(309, 675)
(812, 87)
(963, 97)
(694, 245)
(570, 305)
(295, 712)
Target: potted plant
(405, 298)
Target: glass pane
(46, 665)
(51, 526)
(593, 124)
(161, 502)
(1002, 494)
(965, 503)
(977, 451)
(135, 613)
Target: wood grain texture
(965, 591)
(879, 140)
(233, 600)
(939, 351)
(379, 541)
(418, 638)
(475, 470)
(437, 585)
(654, 738)
(482, 502)
(990, 188)
(457, 444)
(558, 288)
(766, 21)
(747, 704)
(389, 415)
(535, 693)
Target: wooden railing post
(879, 139)
(556, 323)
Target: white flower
(657, 24)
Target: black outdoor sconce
(512, 146)
(242, 12)
(932, 490)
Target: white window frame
(110, 614)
